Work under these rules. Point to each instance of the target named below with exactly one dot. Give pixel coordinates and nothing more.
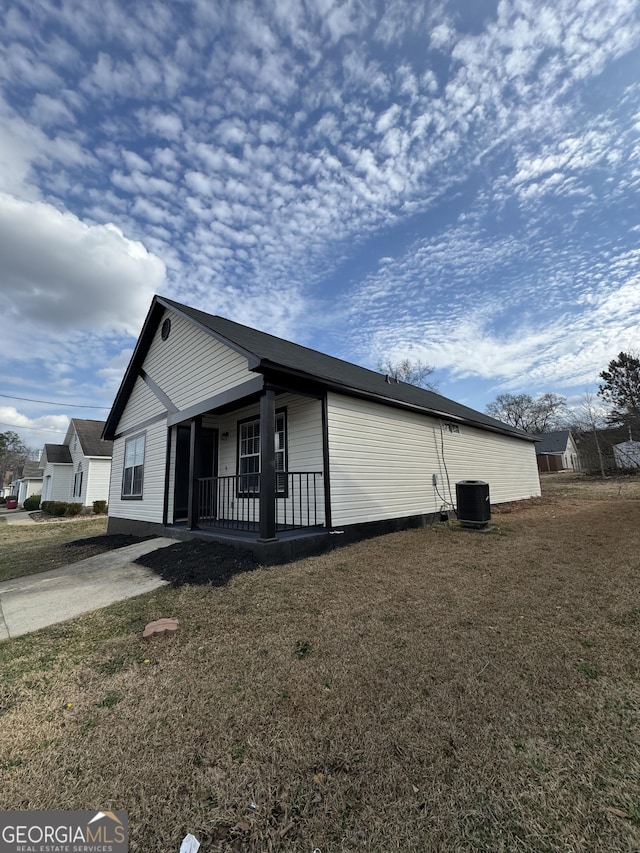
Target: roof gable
(31, 470)
(553, 442)
(89, 434)
(58, 454)
(275, 357)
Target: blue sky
(453, 182)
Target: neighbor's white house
(79, 470)
(30, 481)
(221, 428)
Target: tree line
(619, 393)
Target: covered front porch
(252, 471)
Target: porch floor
(289, 545)
(250, 533)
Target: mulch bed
(199, 562)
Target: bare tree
(593, 420)
(533, 415)
(412, 372)
(13, 453)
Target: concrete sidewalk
(16, 516)
(35, 601)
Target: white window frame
(133, 467)
(249, 442)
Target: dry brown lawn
(432, 690)
(27, 549)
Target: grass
(431, 690)
(32, 548)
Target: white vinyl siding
(382, 461)
(150, 508)
(97, 480)
(28, 488)
(191, 366)
(141, 405)
(60, 483)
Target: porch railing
(234, 502)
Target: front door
(208, 468)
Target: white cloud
(114, 370)
(34, 432)
(16, 154)
(80, 276)
(388, 118)
(278, 139)
(136, 162)
(50, 111)
(167, 125)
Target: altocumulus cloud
(60, 272)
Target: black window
(77, 482)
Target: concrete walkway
(16, 516)
(35, 601)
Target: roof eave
(265, 366)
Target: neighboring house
(57, 469)
(30, 482)
(597, 449)
(224, 428)
(78, 471)
(557, 451)
(627, 454)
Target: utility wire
(52, 403)
(35, 429)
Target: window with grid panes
(249, 455)
(133, 475)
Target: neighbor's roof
(31, 470)
(553, 442)
(90, 436)
(273, 356)
(58, 454)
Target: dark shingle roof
(91, 441)
(272, 356)
(31, 470)
(58, 454)
(552, 442)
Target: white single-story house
(627, 454)
(30, 481)
(557, 451)
(79, 470)
(221, 429)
